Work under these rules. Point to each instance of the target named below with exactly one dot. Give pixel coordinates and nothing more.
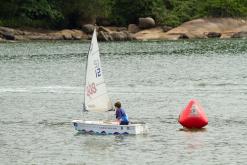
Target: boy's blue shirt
(121, 115)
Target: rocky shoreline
(145, 30)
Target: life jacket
(125, 117)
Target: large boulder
(242, 34)
(41, 34)
(56, 36)
(1, 38)
(6, 29)
(38, 36)
(122, 36)
(21, 38)
(182, 36)
(145, 23)
(115, 36)
(8, 35)
(66, 34)
(119, 29)
(103, 29)
(104, 36)
(129, 36)
(133, 28)
(78, 34)
(88, 28)
(166, 28)
(150, 34)
(211, 27)
(213, 35)
(113, 28)
(118, 36)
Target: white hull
(109, 127)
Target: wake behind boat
(96, 99)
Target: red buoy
(193, 116)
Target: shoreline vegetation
(196, 29)
(121, 20)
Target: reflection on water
(193, 129)
(41, 92)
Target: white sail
(96, 97)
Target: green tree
(78, 12)
(74, 13)
(226, 8)
(128, 11)
(182, 11)
(37, 13)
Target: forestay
(96, 97)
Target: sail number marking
(91, 89)
(97, 68)
(97, 72)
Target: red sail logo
(91, 89)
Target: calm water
(41, 92)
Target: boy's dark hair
(117, 104)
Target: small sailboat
(96, 99)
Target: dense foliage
(74, 13)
